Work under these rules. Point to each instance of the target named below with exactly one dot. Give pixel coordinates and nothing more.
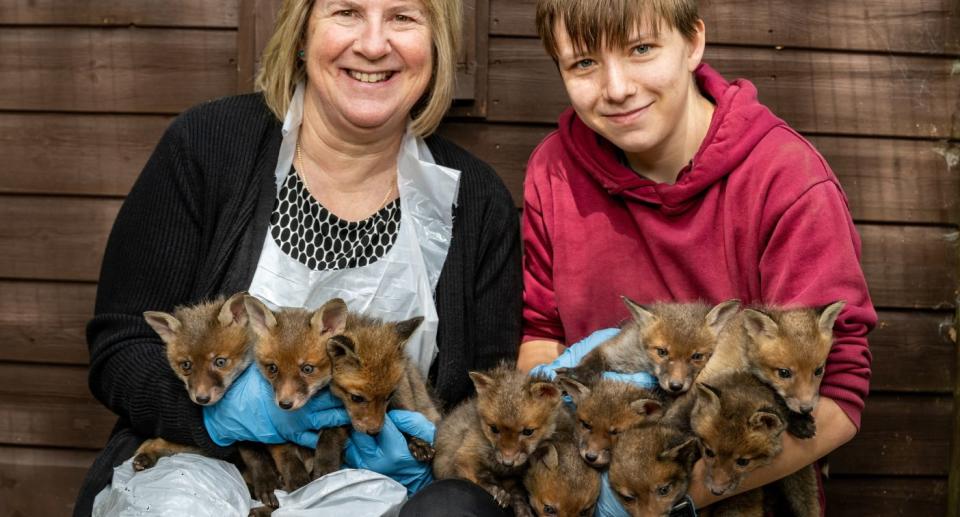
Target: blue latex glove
(575, 353)
(248, 412)
(608, 505)
(388, 454)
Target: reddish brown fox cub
(371, 374)
(291, 351)
(787, 349)
(672, 341)
(651, 467)
(489, 438)
(208, 347)
(558, 482)
(605, 411)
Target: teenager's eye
(641, 49)
(742, 462)
(186, 365)
(585, 425)
(358, 399)
(663, 490)
(527, 431)
(697, 356)
(818, 372)
(709, 452)
(220, 362)
(494, 429)
(307, 369)
(583, 64)
(784, 373)
(549, 510)
(662, 352)
(272, 369)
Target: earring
(301, 54)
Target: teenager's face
(634, 96)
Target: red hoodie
(757, 215)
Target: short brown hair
(610, 23)
(281, 69)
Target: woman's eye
(527, 431)
(220, 362)
(494, 429)
(345, 12)
(307, 369)
(358, 399)
(784, 373)
(272, 369)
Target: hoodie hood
(739, 122)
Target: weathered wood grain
(168, 13)
(921, 26)
(822, 92)
(45, 322)
(66, 384)
(35, 481)
(885, 496)
(910, 266)
(48, 422)
(114, 70)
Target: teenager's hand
(387, 453)
(574, 354)
(248, 412)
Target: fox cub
(672, 341)
(489, 438)
(371, 374)
(605, 411)
(291, 352)
(786, 349)
(208, 347)
(651, 467)
(558, 482)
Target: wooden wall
(86, 89)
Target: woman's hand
(387, 453)
(248, 412)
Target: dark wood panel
(75, 154)
(926, 26)
(114, 70)
(45, 322)
(64, 384)
(181, 13)
(891, 180)
(885, 497)
(40, 481)
(899, 435)
(39, 421)
(911, 353)
(823, 92)
(910, 266)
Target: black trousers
(453, 498)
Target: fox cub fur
(604, 411)
(291, 352)
(208, 347)
(672, 341)
(489, 438)
(651, 467)
(786, 349)
(371, 374)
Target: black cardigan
(192, 228)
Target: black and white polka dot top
(308, 233)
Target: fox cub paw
(801, 425)
(500, 495)
(421, 450)
(144, 460)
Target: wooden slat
(39, 421)
(45, 322)
(37, 481)
(170, 13)
(885, 497)
(823, 92)
(66, 384)
(911, 353)
(910, 266)
(114, 70)
(75, 154)
(889, 180)
(921, 26)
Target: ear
(481, 381)
(641, 315)
(828, 316)
(759, 324)
(406, 328)
(577, 390)
(233, 311)
(684, 452)
(331, 317)
(768, 420)
(545, 390)
(165, 325)
(647, 407)
(262, 319)
(697, 45)
(341, 347)
(547, 454)
(718, 316)
(708, 393)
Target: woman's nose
(373, 42)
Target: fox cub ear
(331, 317)
(718, 316)
(647, 407)
(234, 311)
(406, 328)
(547, 454)
(341, 346)
(481, 381)
(641, 315)
(828, 316)
(686, 452)
(766, 420)
(262, 320)
(577, 390)
(165, 325)
(545, 390)
(758, 324)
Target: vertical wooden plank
(254, 28)
(470, 97)
(953, 479)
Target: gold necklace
(302, 173)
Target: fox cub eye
(627, 498)
(784, 373)
(307, 369)
(494, 429)
(272, 369)
(186, 365)
(614, 432)
(709, 452)
(549, 510)
(527, 431)
(220, 362)
(697, 356)
(742, 462)
(586, 513)
(818, 372)
(662, 352)
(585, 425)
(358, 399)
(663, 490)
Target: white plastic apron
(400, 284)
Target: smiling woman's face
(634, 96)
(367, 61)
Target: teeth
(370, 78)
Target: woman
(326, 183)
(685, 187)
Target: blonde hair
(281, 69)
(610, 23)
